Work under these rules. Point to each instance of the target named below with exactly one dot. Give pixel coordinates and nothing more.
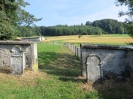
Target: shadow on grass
(66, 68)
(113, 89)
(63, 65)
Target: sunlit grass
(56, 79)
(115, 39)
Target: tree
(88, 23)
(130, 29)
(120, 30)
(129, 13)
(109, 25)
(12, 16)
(6, 30)
(129, 4)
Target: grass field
(59, 77)
(64, 70)
(116, 39)
(55, 79)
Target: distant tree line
(98, 27)
(109, 26)
(26, 31)
(15, 21)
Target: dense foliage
(110, 26)
(129, 13)
(15, 21)
(12, 16)
(98, 27)
(70, 30)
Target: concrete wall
(102, 61)
(74, 49)
(34, 39)
(29, 50)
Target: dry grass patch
(104, 39)
(28, 78)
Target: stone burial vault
(106, 61)
(16, 56)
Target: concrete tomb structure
(15, 56)
(106, 61)
(34, 39)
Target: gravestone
(93, 68)
(17, 60)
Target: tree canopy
(110, 26)
(12, 15)
(98, 27)
(129, 13)
(129, 4)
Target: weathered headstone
(17, 60)
(93, 68)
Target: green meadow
(54, 80)
(59, 77)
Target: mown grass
(63, 68)
(56, 79)
(111, 35)
(112, 39)
(64, 74)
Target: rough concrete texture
(114, 61)
(17, 60)
(93, 68)
(4, 58)
(30, 54)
